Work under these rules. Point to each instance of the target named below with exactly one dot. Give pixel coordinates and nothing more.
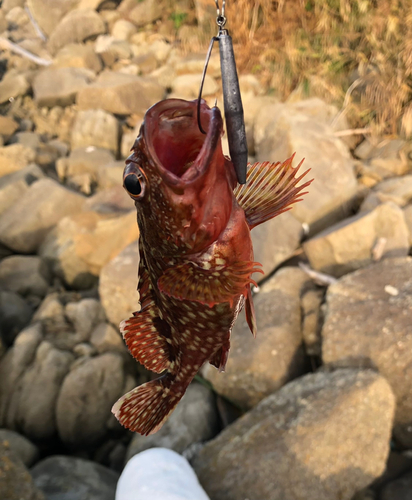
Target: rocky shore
(319, 405)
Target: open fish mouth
(178, 148)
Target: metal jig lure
(235, 123)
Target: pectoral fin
(219, 359)
(250, 312)
(188, 281)
(270, 190)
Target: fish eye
(134, 183)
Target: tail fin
(145, 408)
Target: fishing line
(232, 100)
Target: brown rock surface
(323, 436)
(95, 127)
(368, 323)
(14, 158)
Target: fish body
(196, 254)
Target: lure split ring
(235, 123)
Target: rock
(275, 241)
(187, 86)
(33, 404)
(12, 86)
(14, 186)
(110, 201)
(111, 50)
(400, 489)
(48, 13)
(86, 397)
(29, 139)
(304, 127)
(83, 160)
(106, 339)
(146, 12)
(123, 30)
(350, 244)
(397, 190)
(111, 175)
(12, 366)
(408, 219)
(311, 303)
(80, 245)
(368, 323)
(195, 62)
(20, 446)
(194, 420)
(95, 127)
(59, 86)
(118, 285)
(23, 274)
(120, 94)
(15, 314)
(78, 55)
(77, 26)
(159, 474)
(62, 477)
(84, 315)
(286, 447)
(7, 5)
(25, 224)
(16, 482)
(7, 127)
(257, 367)
(14, 158)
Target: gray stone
(77, 26)
(20, 446)
(350, 244)
(400, 489)
(123, 29)
(78, 55)
(106, 339)
(59, 86)
(118, 285)
(67, 478)
(86, 397)
(33, 403)
(7, 5)
(95, 127)
(12, 86)
(81, 245)
(14, 158)
(120, 94)
(408, 219)
(257, 367)
(14, 186)
(275, 241)
(187, 86)
(15, 314)
(111, 176)
(84, 315)
(25, 224)
(323, 436)
(311, 303)
(16, 482)
(146, 12)
(111, 50)
(110, 200)
(304, 127)
(29, 139)
(397, 190)
(195, 420)
(368, 322)
(26, 275)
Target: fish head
(181, 182)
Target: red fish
(196, 255)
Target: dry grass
(325, 47)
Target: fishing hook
(235, 123)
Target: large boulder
(121, 94)
(24, 225)
(304, 127)
(257, 367)
(351, 244)
(60, 477)
(321, 437)
(14, 186)
(368, 323)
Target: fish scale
(196, 255)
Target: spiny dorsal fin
(270, 190)
(188, 281)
